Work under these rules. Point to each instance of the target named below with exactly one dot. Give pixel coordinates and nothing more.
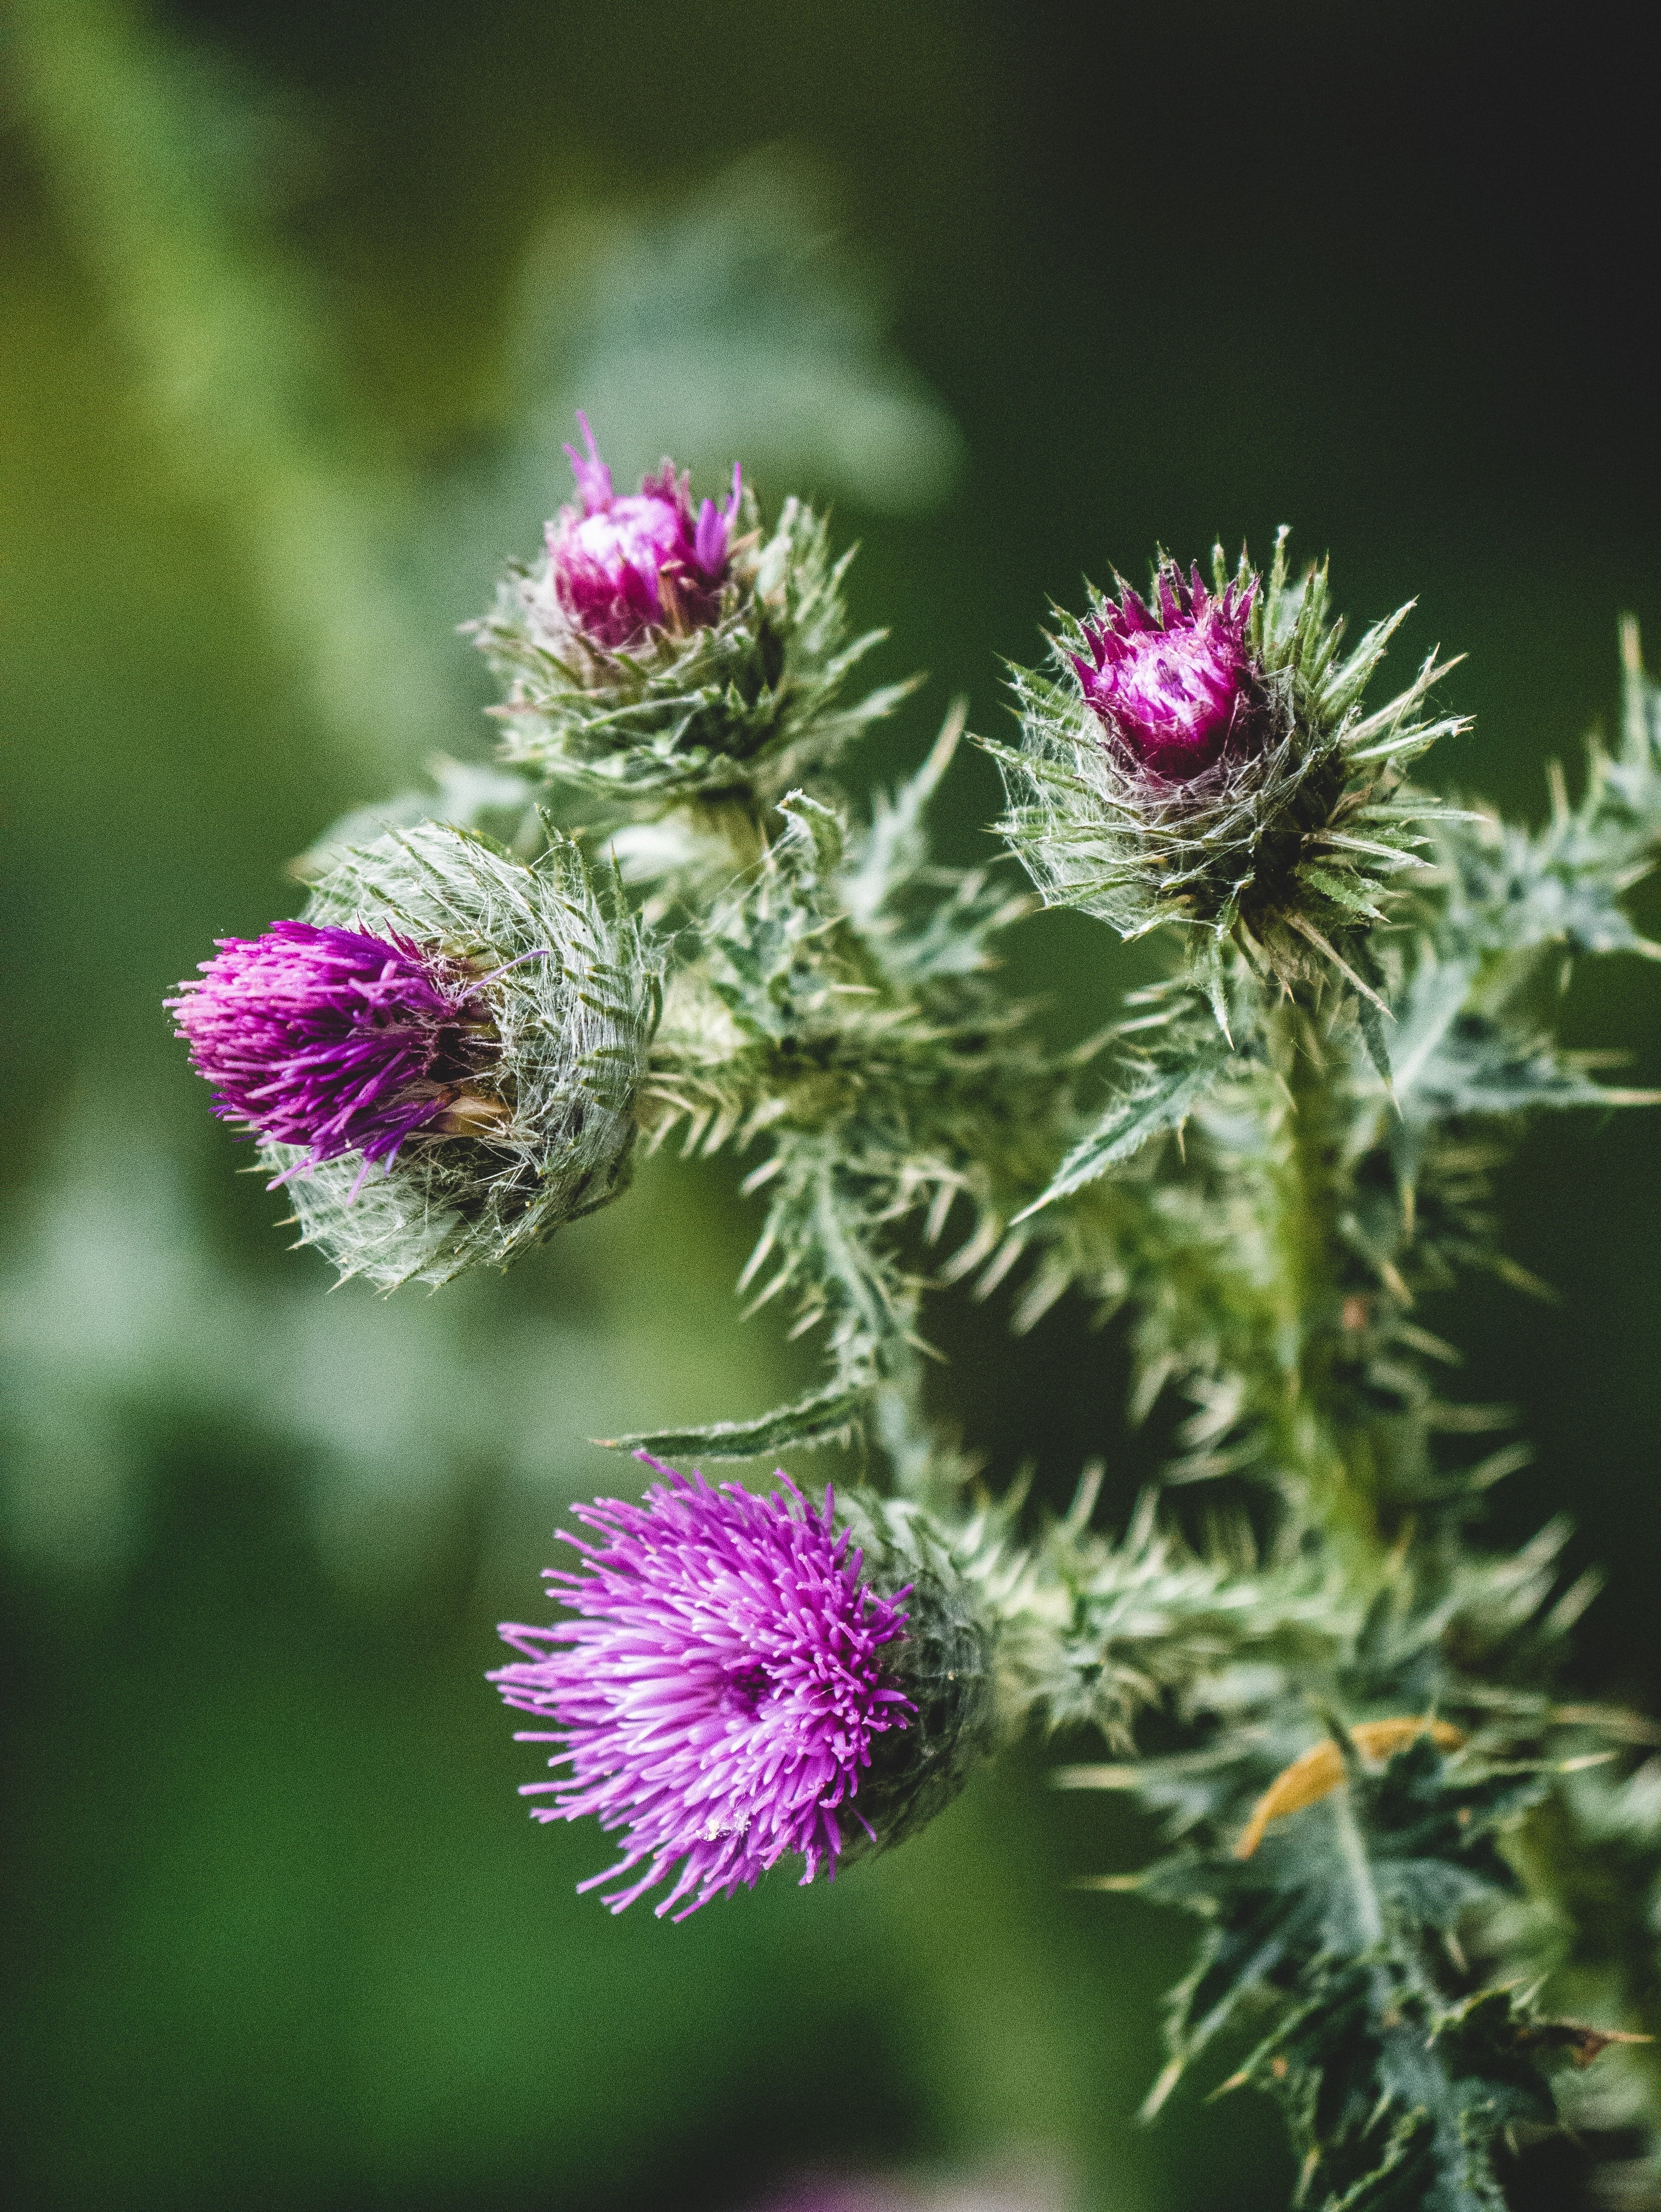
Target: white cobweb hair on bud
(571, 988)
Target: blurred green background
(299, 300)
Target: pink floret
(328, 1039)
(717, 1694)
(1175, 686)
(627, 564)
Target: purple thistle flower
(335, 1041)
(717, 1695)
(640, 561)
(1177, 685)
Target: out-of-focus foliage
(123, 1314)
(736, 322)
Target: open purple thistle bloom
(717, 1694)
(331, 1040)
(1177, 685)
(639, 561)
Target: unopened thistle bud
(440, 1060)
(1204, 758)
(738, 1684)
(665, 650)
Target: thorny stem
(1307, 1428)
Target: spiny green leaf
(1167, 1099)
(822, 1417)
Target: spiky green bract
(1096, 1632)
(839, 1012)
(1292, 847)
(945, 1663)
(572, 988)
(1340, 1944)
(738, 709)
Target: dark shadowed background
(299, 300)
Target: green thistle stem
(1316, 1444)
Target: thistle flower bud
(1204, 758)
(623, 566)
(441, 1059)
(665, 650)
(1175, 686)
(738, 1684)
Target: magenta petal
(593, 477)
(709, 546)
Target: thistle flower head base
(663, 650)
(442, 1059)
(1205, 757)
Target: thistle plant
(1426, 1874)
